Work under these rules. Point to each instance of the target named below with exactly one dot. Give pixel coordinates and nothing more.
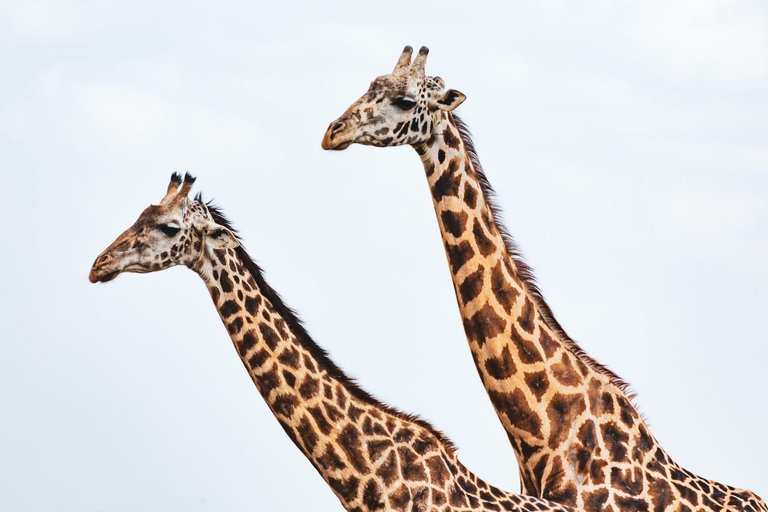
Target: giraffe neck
(307, 394)
(372, 456)
(538, 382)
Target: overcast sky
(628, 143)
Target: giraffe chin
(337, 146)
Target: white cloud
(38, 18)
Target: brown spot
(377, 448)
(269, 335)
(307, 434)
(285, 405)
(372, 497)
(525, 320)
(309, 364)
(235, 325)
(565, 373)
(290, 357)
(341, 397)
(438, 472)
(280, 326)
(593, 393)
(289, 378)
(485, 324)
(526, 350)
(594, 501)
(515, 407)
(562, 411)
(615, 440)
(643, 444)
(333, 413)
(596, 473)
(388, 470)
(629, 481)
(505, 293)
(661, 495)
(468, 486)
(631, 504)
(451, 139)
(454, 222)
(587, 436)
(409, 465)
(484, 244)
(247, 342)
(438, 498)
(320, 420)
(606, 402)
(345, 488)
(354, 413)
(556, 489)
(258, 359)
(501, 367)
(403, 435)
(309, 387)
(457, 498)
(252, 304)
(472, 285)
(626, 411)
(400, 497)
(226, 284)
(351, 444)
(419, 497)
(470, 196)
(268, 381)
(446, 185)
(424, 444)
(546, 342)
(538, 383)
(330, 460)
(458, 255)
(687, 493)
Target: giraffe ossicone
(373, 457)
(577, 437)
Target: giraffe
(577, 437)
(374, 457)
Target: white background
(628, 143)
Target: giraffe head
(403, 107)
(178, 231)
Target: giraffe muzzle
(100, 274)
(337, 136)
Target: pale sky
(628, 143)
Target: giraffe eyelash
(405, 103)
(169, 229)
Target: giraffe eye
(405, 103)
(168, 229)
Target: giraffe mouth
(96, 277)
(336, 145)
(341, 147)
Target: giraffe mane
(525, 271)
(296, 326)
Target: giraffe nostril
(103, 260)
(337, 127)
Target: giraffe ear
(450, 100)
(219, 237)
